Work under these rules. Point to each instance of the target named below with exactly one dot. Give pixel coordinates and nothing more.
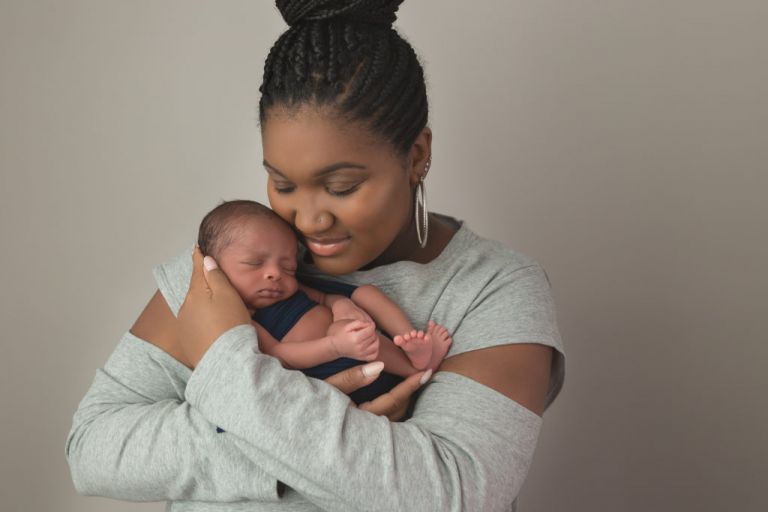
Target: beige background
(620, 143)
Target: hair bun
(380, 12)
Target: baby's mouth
(270, 293)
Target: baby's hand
(357, 340)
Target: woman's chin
(335, 266)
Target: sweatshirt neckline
(454, 245)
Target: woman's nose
(312, 220)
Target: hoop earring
(421, 202)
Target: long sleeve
(135, 438)
(466, 446)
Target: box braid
(345, 54)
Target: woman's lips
(326, 247)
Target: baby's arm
(303, 347)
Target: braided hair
(346, 55)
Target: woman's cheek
(383, 204)
(378, 225)
(278, 205)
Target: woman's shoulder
(477, 254)
(499, 295)
(173, 277)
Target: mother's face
(346, 192)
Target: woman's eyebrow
(328, 169)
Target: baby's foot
(441, 342)
(417, 346)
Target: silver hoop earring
(421, 202)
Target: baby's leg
(387, 315)
(394, 359)
(390, 318)
(441, 342)
(417, 345)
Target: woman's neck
(406, 246)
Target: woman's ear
(420, 154)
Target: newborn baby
(302, 326)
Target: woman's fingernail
(209, 263)
(424, 378)
(372, 369)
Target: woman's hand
(211, 308)
(392, 404)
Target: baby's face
(261, 262)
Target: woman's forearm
(134, 437)
(467, 447)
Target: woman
(185, 410)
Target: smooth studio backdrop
(620, 143)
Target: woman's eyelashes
(341, 191)
(284, 189)
(334, 189)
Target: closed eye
(284, 189)
(342, 191)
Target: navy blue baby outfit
(279, 318)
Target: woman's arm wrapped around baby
(466, 446)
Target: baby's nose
(272, 273)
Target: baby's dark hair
(345, 54)
(219, 227)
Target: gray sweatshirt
(146, 430)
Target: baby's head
(254, 247)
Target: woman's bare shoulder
(157, 325)
(519, 371)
